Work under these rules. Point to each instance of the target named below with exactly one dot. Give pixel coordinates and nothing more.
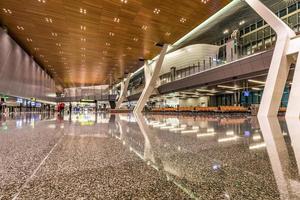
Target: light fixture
(117, 20)
(135, 39)
(255, 88)
(124, 1)
(228, 87)
(168, 34)
(107, 44)
(29, 39)
(204, 1)
(242, 22)
(144, 27)
(226, 31)
(82, 39)
(156, 11)
(82, 11)
(83, 28)
(111, 34)
(58, 44)
(42, 1)
(49, 20)
(54, 34)
(20, 28)
(8, 11)
(182, 20)
(256, 81)
(129, 48)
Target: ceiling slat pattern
(84, 42)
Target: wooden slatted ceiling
(86, 49)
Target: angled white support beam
(280, 63)
(124, 88)
(277, 152)
(148, 152)
(151, 76)
(293, 109)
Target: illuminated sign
(38, 105)
(19, 100)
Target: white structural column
(293, 109)
(124, 88)
(277, 153)
(151, 76)
(280, 64)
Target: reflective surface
(103, 156)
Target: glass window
(247, 29)
(292, 8)
(253, 36)
(292, 21)
(241, 32)
(253, 27)
(260, 34)
(260, 24)
(246, 39)
(282, 13)
(267, 31)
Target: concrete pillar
(280, 64)
(124, 88)
(151, 76)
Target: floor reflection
(210, 157)
(216, 157)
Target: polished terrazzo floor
(126, 156)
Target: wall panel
(20, 75)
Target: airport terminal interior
(150, 99)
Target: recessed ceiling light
(20, 28)
(204, 1)
(226, 31)
(36, 49)
(82, 48)
(182, 20)
(135, 39)
(129, 48)
(107, 44)
(156, 11)
(42, 1)
(144, 27)
(6, 10)
(111, 34)
(117, 20)
(49, 20)
(82, 11)
(124, 1)
(83, 40)
(58, 44)
(29, 39)
(242, 22)
(167, 33)
(83, 28)
(54, 34)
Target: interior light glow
(190, 131)
(257, 146)
(206, 134)
(256, 81)
(228, 139)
